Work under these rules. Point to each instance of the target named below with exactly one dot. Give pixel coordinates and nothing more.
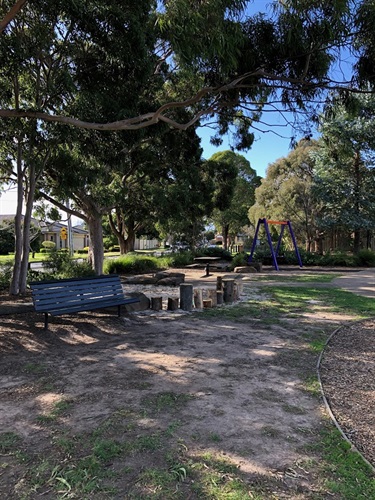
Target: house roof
(52, 227)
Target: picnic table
(207, 261)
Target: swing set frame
(274, 252)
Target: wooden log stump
(156, 303)
(219, 283)
(198, 298)
(172, 303)
(239, 284)
(186, 297)
(212, 294)
(228, 290)
(219, 297)
(207, 303)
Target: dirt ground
(169, 387)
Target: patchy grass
(8, 442)
(165, 401)
(346, 474)
(134, 454)
(59, 409)
(333, 299)
(301, 278)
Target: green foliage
(286, 193)
(365, 258)
(179, 259)
(108, 242)
(344, 165)
(6, 269)
(48, 245)
(6, 238)
(217, 251)
(349, 476)
(60, 264)
(288, 257)
(231, 213)
(131, 264)
(240, 259)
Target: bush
(114, 248)
(239, 260)
(337, 259)
(180, 259)
(109, 241)
(365, 258)
(214, 252)
(60, 264)
(83, 251)
(129, 264)
(6, 239)
(49, 245)
(6, 270)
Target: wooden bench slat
(77, 287)
(42, 306)
(72, 281)
(66, 295)
(89, 307)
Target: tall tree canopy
(286, 193)
(232, 217)
(345, 161)
(108, 66)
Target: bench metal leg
(119, 310)
(46, 321)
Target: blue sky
(266, 148)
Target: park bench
(69, 296)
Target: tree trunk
(357, 242)
(225, 236)
(125, 233)
(130, 239)
(357, 200)
(96, 251)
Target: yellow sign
(63, 233)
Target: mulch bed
(348, 378)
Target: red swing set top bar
(281, 222)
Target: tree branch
(62, 207)
(11, 14)
(148, 119)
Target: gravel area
(348, 378)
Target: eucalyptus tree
(233, 217)
(97, 65)
(65, 58)
(287, 192)
(345, 165)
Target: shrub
(365, 258)
(239, 260)
(337, 259)
(6, 269)
(83, 251)
(214, 252)
(129, 264)
(6, 239)
(180, 259)
(60, 264)
(114, 248)
(50, 245)
(109, 241)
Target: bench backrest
(47, 294)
